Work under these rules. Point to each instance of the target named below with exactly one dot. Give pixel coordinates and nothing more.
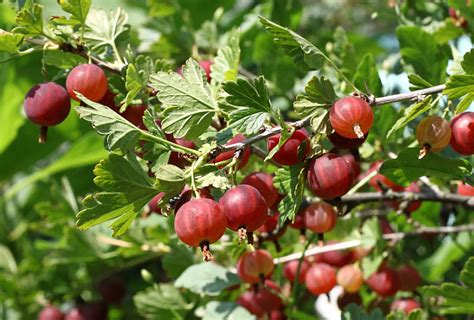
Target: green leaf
(178, 260)
(189, 103)
(29, 20)
(319, 93)
(7, 260)
(467, 273)
(207, 279)
(421, 50)
(103, 28)
(411, 113)
(407, 168)
(291, 182)
(468, 62)
(304, 53)
(367, 76)
(247, 104)
(127, 189)
(226, 62)
(10, 42)
(458, 85)
(417, 82)
(465, 103)
(78, 8)
(118, 132)
(162, 301)
(355, 312)
(447, 31)
(222, 310)
(416, 314)
(61, 59)
(170, 177)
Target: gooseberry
(385, 282)
(291, 268)
(263, 182)
(254, 266)
(320, 278)
(50, 312)
(465, 189)
(320, 217)
(433, 134)
(350, 277)
(462, 137)
(405, 305)
(87, 79)
(346, 143)
(409, 278)
(293, 151)
(351, 117)
(112, 290)
(229, 154)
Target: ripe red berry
(347, 298)
(263, 182)
(384, 282)
(267, 299)
(385, 226)
(350, 277)
(354, 163)
(277, 315)
(351, 117)
(47, 104)
(320, 278)
(293, 151)
(465, 189)
(291, 268)
(206, 65)
(405, 305)
(413, 205)
(337, 258)
(229, 154)
(88, 311)
(112, 290)
(153, 204)
(248, 301)
(330, 176)
(187, 195)
(462, 137)
(270, 224)
(87, 79)
(134, 114)
(320, 217)
(178, 158)
(433, 134)
(254, 266)
(380, 179)
(299, 222)
(200, 222)
(409, 278)
(245, 209)
(50, 313)
(346, 143)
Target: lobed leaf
(367, 76)
(10, 42)
(291, 182)
(78, 8)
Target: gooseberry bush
(236, 160)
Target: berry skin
(293, 151)
(245, 209)
(112, 290)
(354, 163)
(200, 222)
(433, 134)
(409, 277)
(88, 311)
(347, 298)
(229, 154)
(47, 104)
(254, 266)
(153, 204)
(50, 313)
(405, 305)
(267, 299)
(134, 114)
(465, 189)
(345, 143)
(248, 301)
(337, 258)
(291, 268)
(462, 137)
(320, 217)
(299, 222)
(89, 80)
(270, 224)
(384, 282)
(177, 158)
(206, 65)
(350, 278)
(187, 195)
(320, 278)
(351, 117)
(330, 176)
(263, 182)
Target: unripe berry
(200, 222)
(293, 151)
(87, 79)
(462, 137)
(350, 277)
(50, 313)
(405, 305)
(47, 104)
(263, 182)
(320, 217)
(351, 117)
(291, 268)
(320, 278)
(254, 266)
(330, 176)
(433, 134)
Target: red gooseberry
(350, 277)
(206, 65)
(153, 204)
(351, 117)
(320, 278)
(465, 189)
(229, 154)
(254, 266)
(433, 134)
(409, 278)
(320, 217)
(245, 209)
(291, 269)
(178, 158)
(336, 258)
(347, 298)
(88, 311)
(462, 137)
(380, 181)
(87, 79)
(412, 205)
(330, 176)
(293, 151)
(263, 182)
(346, 143)
(277, 315)
(50, 313)
(268, 300)
(200, 222)
(46, 104)
(385, 282)
(112, 290)
(405, 305)
(270, 224)
(187, 194)
(248, 301)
